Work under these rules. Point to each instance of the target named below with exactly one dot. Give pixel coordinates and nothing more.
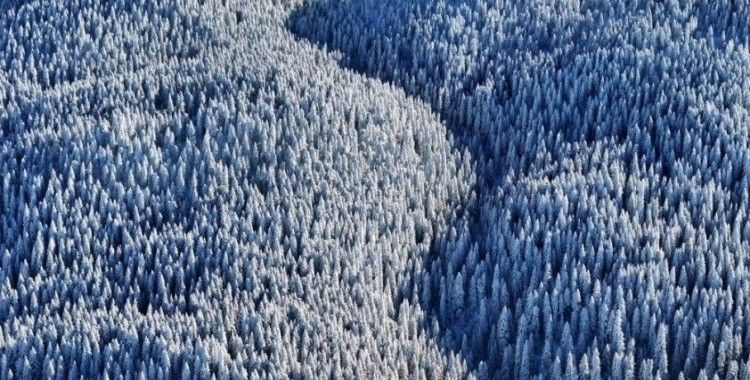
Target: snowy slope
(609, 233)
(374, 189)
(187, 190)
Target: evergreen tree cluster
(543, 188)
(189, 191)
(607, 233)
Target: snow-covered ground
(374, 189)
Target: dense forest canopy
(374, 188)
